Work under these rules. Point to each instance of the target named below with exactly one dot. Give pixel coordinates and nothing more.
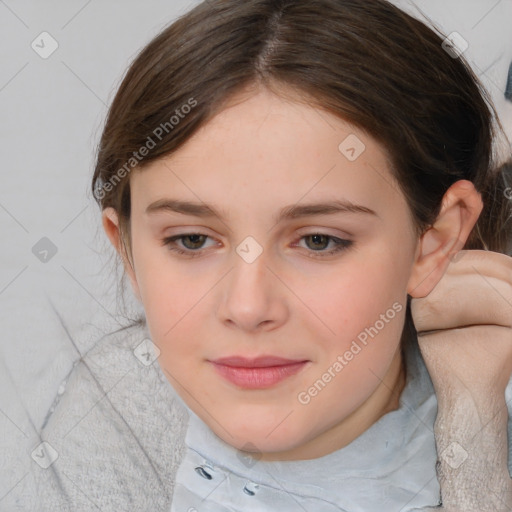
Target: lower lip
(258, 378)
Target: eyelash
(341, 245)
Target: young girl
(280, 179)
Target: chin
(261, 437)
(258, 445)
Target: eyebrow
(295, 211)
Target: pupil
(315, 238)
(194, 238)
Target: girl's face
(277, 231)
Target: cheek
(169, 305)
(365, 308)
(354, 297)
(165, 295)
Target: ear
(460, 210)
(110, 221)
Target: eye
(191, 241)
(317, 244)
(320, 242)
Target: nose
(253, 298)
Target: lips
(258, 362)
(258, 373)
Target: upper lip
(258, 362)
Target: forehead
(266, 148)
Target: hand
(465, 335)
(465, 324)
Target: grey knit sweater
(118, 429)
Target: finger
(487, 263)
(464, 300)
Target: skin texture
(465, 335)
(260, 154)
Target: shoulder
(115, 436)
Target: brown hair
(364, 60)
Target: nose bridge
(251, 294)
(249, 277)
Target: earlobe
(110, 221)
(459, 213)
